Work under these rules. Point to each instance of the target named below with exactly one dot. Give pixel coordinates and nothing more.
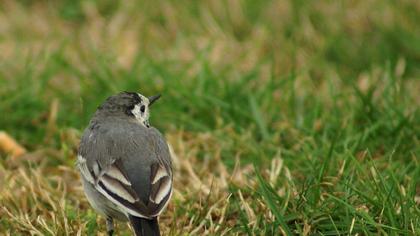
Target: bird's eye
(142, 108)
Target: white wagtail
(125, 164)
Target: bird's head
(130, 105)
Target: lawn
(283, 117)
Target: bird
(125, 164)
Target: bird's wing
(130, 166)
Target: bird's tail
(145, 227)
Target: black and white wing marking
(137, 174)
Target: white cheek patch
(141, 117)
(136, 111)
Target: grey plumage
(125, 164)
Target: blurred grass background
(286, 117)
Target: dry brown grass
(40, 199)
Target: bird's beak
(153, 99)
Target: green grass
(286, 117)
